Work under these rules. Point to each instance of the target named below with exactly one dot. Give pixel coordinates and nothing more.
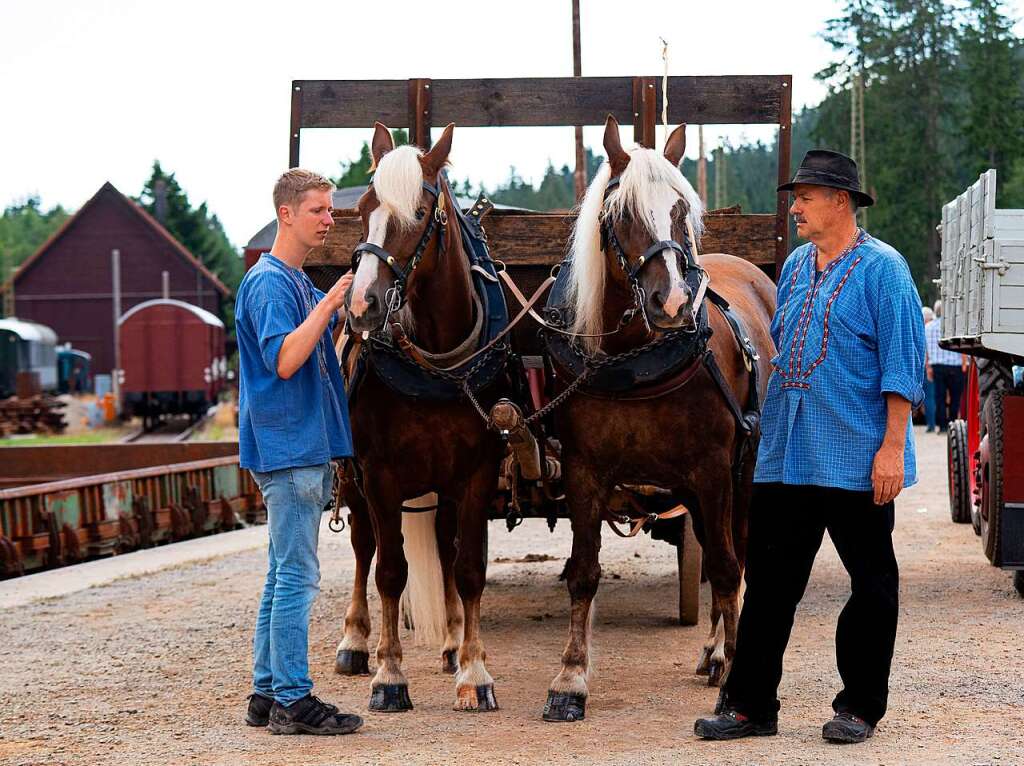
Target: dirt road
(154, 670)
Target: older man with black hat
(836, 448)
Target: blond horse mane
(649, 186)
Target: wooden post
(579, 177)
(784, 145)
(420, 112)
(645, 111)
(296, 124)
(115, 269)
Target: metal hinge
(1001, 266)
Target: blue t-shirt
(300, 421)
(845, 337)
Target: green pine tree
(357, 172)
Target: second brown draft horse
(628, 287)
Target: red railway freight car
(172, 360)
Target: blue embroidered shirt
(845, 337)
(300, 421)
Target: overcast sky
(95, 90)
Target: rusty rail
(65, 521)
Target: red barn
(68, 283)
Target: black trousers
(948, 377)
(787, 524)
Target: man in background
(946, 369)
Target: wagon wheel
(992, 479)
(689, 557)
(959, 479)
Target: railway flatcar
(26, 347)
(172, 360)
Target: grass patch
(101, 436)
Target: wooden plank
(521, 239)
(706, 100)
(645, 98)
(296, 125)
(785, 144)
(419, 112)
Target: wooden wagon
(530, 244)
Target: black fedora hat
(821, 167)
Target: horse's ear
(617, 156)
(382, 143)
(675, 147)
(437, 157)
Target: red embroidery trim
(803, 327)
(828, 311)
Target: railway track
(172, 430)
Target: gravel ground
(154, 670)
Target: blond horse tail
(423, 599)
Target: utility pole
(857, 135)
(115, 268)
(702, 167)
(721, 179)
(7, 285)
(579, 177)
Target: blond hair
(293, 184)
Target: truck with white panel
(982, 290)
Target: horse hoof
(351, 662)
(565, 707)
(450, 661)
(390, 698)
(716, 673)
(704, 666)
(476, 699)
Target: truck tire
(991, 512)
(993, 375)
(958, 467)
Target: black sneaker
(258, 713)
(847, 728)
(730, 724)
(311, 716)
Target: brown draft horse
(684, 441)
(413, 271)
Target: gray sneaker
(846, 728)
(310, 715)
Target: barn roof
(32, 331)
(203, 314)
(144, 216)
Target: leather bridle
(438, 220)
(632, 272)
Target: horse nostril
(371, 301)
(658, 299)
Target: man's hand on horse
(887, 473)
(336, 295)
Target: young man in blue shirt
(836, 448)
(292, 422)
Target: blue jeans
(295, 500)
(929, 404)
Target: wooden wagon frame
(531, 243)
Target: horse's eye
(420, 213)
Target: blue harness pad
(405, 376)
(651, 363)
